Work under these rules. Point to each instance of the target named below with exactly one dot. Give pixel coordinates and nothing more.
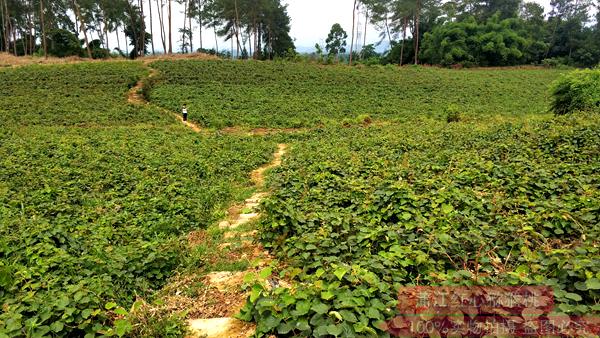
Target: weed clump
(453, 113)
(364, 119)
(576, 91)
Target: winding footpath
(135, 96)
(227, 327)
(231, 327)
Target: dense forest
(455, 32)
(480, 32)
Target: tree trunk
(143, 33)
(387, 29)
(106, 29)
(237, 29)
(161, 24)
(183, 32)
(118, 42)
(249, 39)
(417, 18)
(217, 41)
(252, 41)
(24, 39)
(135, 35)
(14, 33)
(126, 44)
(191, 34)
(44, 43)
(270, 43)
(366, 24)
(3, 20)
(151, 30)
(259, 40)
(170, 30)
(31, 28)
(82, 27)
(200, 20)
(353, 23)
(8, 30)
(403, 39)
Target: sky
(311, 21)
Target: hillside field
(274, 94)
(376, 191)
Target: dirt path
(135, 96)
(222, 297)
(229, 327)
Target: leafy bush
(576, 91)
(554, 62)
(453, 113)
(491, 43)
(63, 43)
(364, 119)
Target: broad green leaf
(320, 308)
(121, 311)
(341, 271)
(271, 322)
(327, 295)
(348, 316)
(285, 328)
(334, 330)
(447, 208)
(593, 284)
(266, 272)
(573, 296)
(256, 292)
(122, 327)
(57, 326)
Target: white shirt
(184, 110)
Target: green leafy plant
(576, 91)
(453, 113)
(357, 213)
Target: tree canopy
(487, 32)
(336, 40)
(259, 27)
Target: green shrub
(453, 113)
(576, 91)
(364, 119)
(554, 62)
(63, 43)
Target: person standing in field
(184, 112)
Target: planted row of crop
(261, 94)
(357, 213)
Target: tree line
(255, 28)
(476, 32)
(448, 32)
